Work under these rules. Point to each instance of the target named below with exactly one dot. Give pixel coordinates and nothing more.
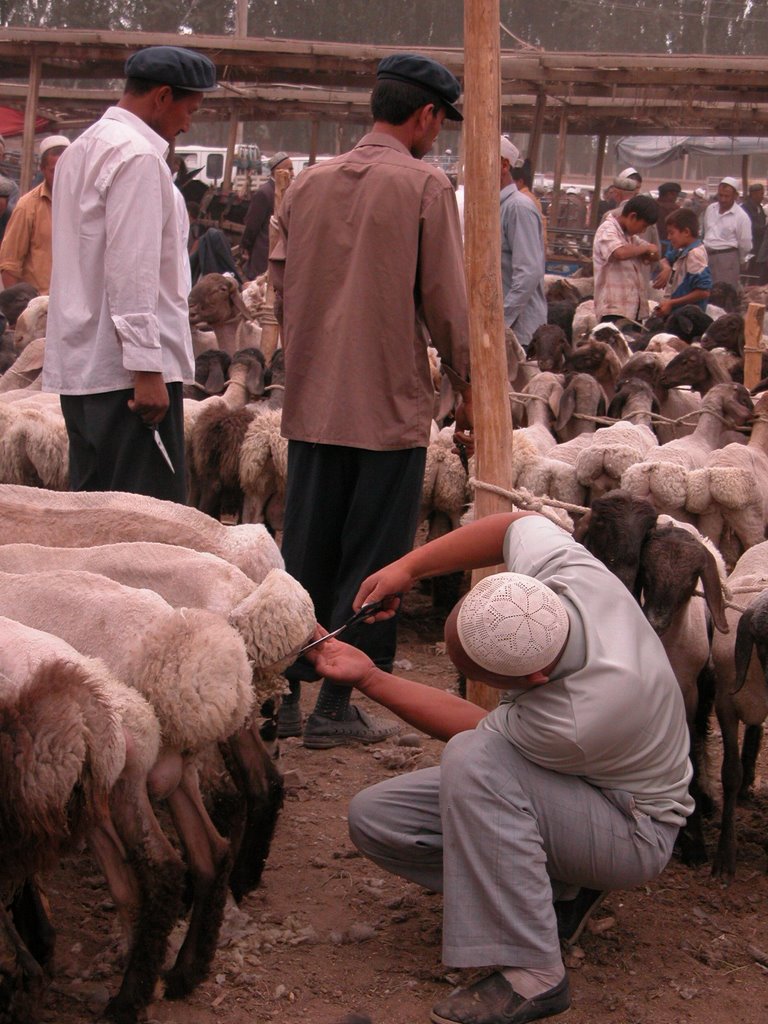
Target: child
(686, 264)
(621, 281)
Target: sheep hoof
(179, 983)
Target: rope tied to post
(528, 501)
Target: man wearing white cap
(727, 234)
(25, 254)
(522, 253)
(576, 783)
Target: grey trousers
(725, 266)
(501, 838)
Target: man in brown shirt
(367, 262)
(25, 254)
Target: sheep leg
(146, 877)
(30, 915)
(209, 861)
(261, 785)
(750, 748)
(724, 863)
(22, 979)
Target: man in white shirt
(727, 233)
(118, 344)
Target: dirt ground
(329, 934)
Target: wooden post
(562, 139)
(482, 246)
(753, 344)
(270, 329)
(534, 142)
(597, 195)
(313, 143)
(30, 117)
(229, 159)
(745, 176)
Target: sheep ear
(713, 591)
(616, 407)
(237, 300)
(743, 650)
(580, 530)
(601, 404)
(566, 407)
(554, 402)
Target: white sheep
(25, 372)
(731, 490)
(584, 321)
(612, 450)
(31, 323)
(264, 470)
(663, 475)
(83, 519)
(34, 447)
(78, 747)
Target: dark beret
(670, 186)
(425, 73)
(173, 65)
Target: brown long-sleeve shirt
(369, 254)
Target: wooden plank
(229, 159)
(753, 344)
(537, 129)
(30, 117)
(562, 139)
(482, 242)
(594, 215)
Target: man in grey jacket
(522, 254)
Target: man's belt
(721, 252)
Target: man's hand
(391, 581)
(663, 276)
(665, 308)
(150, 397)
(651, 254)
(341, 662)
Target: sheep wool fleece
(582, 781)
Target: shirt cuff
(139, 336)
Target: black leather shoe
(494, 1001)
(572, 915)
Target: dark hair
(683, 220)
(141, 86)
(523, 173)
(393, 102)
(643, 207)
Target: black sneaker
(494, 1001)
(289, 719)
(320, 732)
(573, 914)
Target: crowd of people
(578, 782)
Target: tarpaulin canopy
(12, 122)
(654, 150)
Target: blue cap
(425, 73)
(173, 65)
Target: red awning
(12, 122)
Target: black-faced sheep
(549, 347)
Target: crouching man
(577, 783)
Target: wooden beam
(482, 241)
(313, 130)
(745, 177)
(753, 344)
(597, 195)
(562, 139)
(537, 129)
(30, 118)
(229, 159)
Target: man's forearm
(475, 546)
(435, 712)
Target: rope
(528, 501)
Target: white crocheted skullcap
(512, 624)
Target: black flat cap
(173, 65)
(425, 73)
(670, 186)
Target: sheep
(612, 451)
(725, 296)
(14, 300)
(34, 447)
(541, 408)
(549, 346)
(611, 335)
(689, 323)
(600, 361)
(193, 668)
(31, 323)
(635, 402)
(673, 405)
(25, 372)
(581, 399)
(216, 301)
(741, 694)
(444, 495)
(211, 370)
(263, 470)
(614, 530)
(272, 618)
(77, 751)
(696, 367)
(584, 320)
(674, 558)
(662, 476)
(731, 490)
(84, 519)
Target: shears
(365, 611)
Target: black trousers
(110, 449)
(348, 512)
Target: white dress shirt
(120, 280)
(729, 230)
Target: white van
(210, 161)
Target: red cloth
(12, 122)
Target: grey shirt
(612, 711)
(522, 264)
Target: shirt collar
(127, 118)
(508, 190)
(382, 139)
